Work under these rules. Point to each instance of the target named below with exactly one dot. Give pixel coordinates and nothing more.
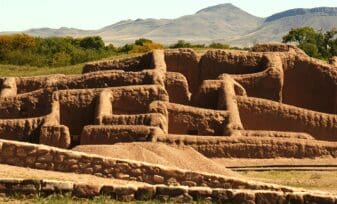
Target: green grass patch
(314, 180)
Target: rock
(158, 179)
(86, 191)
(145, 193)
(319, 199)
(49, 186)
(189, 183)
(269, 198)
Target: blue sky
(18, 15)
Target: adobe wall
(77, 107)
(183, 119)
(260, 114)
(216, 62)
(27, 129)
(111, 134)
(186, 62)
(266, 84)
(177, 87)
(137, 63)
(207, 95)
(148, 119)
(33, 104)
(85, 81)
(310, 84)
(266, 145)
(260, 74)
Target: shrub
(181, 44)
(142, 41)
(146, 47)
(95, 42)
(219, 46)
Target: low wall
(195, 121)
(207, 95)
(138, 63)
(85, 81)
(186, 62)
(34, 104)
(174, 194)
(78, 107)
(54, 159)
(253, 147)
(259, 114)
(107, 134)
(27, 130)
(177, 88)
(150, 119)
(267, 84)
(216, 62)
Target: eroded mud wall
(184, 61)
(28, 105)
(138, 63)
(259, 114)
(310, 84)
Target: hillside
(222, 23)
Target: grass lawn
(7, 70)
(313, 180)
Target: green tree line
(316, 43)
(22, 49)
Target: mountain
(221, 23)
(278, 25)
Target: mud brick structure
(273, 101)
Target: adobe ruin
(271, 102)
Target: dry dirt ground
(182, 157)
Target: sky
(18, 15)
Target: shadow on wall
(214, 63)
(134, 64)
(312, 85)
(34, 104)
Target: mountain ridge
(219, 23)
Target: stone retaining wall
(55, 159)
(175, 194)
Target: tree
(142, 41)
(94, 42)
(317, 44)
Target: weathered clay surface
(271, 102)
